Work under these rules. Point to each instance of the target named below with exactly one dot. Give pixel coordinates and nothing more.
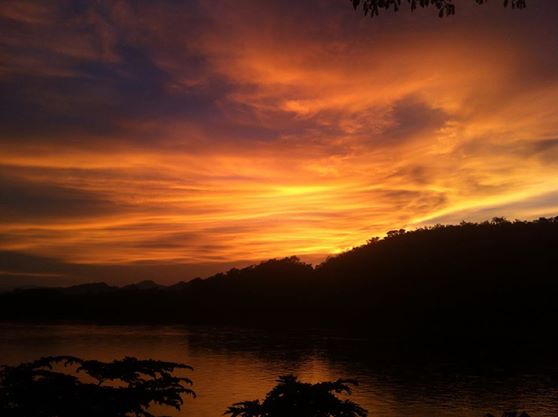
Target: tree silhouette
(444, 7)
(121, 388)
(292, 398)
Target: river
(233, 364)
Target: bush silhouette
(121, 388)
(292, 398)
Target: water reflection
(238, 364)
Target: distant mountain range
(471, 281)
(100, 287)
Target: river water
(232, 364)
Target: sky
(173, 139)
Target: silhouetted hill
(466, 282)
(143, 285)
(84, 289)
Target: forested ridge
(469, 281)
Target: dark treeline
(459, 283)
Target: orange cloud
(254, 133)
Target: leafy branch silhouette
(121, 388)
(444, 7)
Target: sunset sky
(172, 139)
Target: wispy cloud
(181, 133)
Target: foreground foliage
(126, 387)
(292, 398)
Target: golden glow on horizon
(323, 143)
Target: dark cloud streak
(22, 200)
